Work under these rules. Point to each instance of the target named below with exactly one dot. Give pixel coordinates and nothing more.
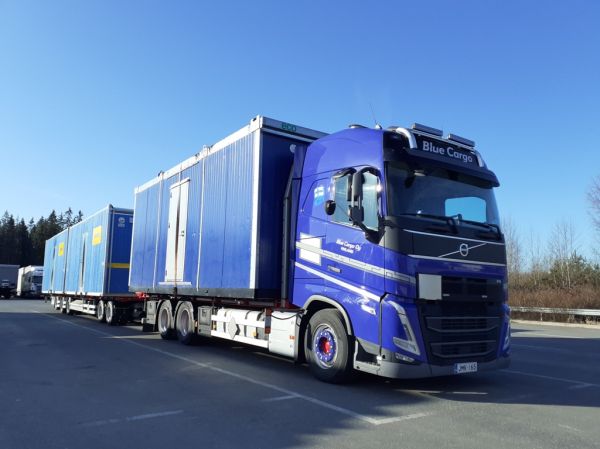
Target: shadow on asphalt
(367, 395)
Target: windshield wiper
(451, 221)
(489, 226)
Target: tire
(111, 314)
(185, 325)
(101, 311)
(68, 310)
(165, 321)
(328, 349)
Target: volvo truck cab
(398, 231)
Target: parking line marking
(285, 391)
(280, 398)
(104, 422)
(402, 418)
(579, 386)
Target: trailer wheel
(184, 323)
(165, 321)
(328, 349)
(100, 311)
(68, 310)
(111, 313)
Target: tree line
(554, 273)
(23, 243)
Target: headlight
(410, 343)
(506, 343)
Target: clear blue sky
(96, 97)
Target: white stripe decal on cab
(364, 293)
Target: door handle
(334, 268)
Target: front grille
(460, 324)
(463, 349)
(460, 330)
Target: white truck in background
(8, 280)
(29, 281)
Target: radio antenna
(377, 125)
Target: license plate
(467, 367)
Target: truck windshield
(438, 193)
(36, 279)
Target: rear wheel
(328, 350)
(111, 313)
(100, 310)
(185, 324)
(165, 321)
(68, 307)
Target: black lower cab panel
(460, 331)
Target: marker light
(428, 129)
(462, 140)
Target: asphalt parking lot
(71, 382)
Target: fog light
(404, 358)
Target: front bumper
(396, 370)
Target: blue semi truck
(377, 250)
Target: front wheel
(328, 350)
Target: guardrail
(549, 310)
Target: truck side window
(370, 201)
(341, 199)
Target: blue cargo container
(55, 256)
(212, 225)
(89, 264)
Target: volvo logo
(463, 249)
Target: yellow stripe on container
(119, 265)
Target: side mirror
(357, 184)
(329, 207)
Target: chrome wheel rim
(325, 346)
(163, 321)
(184, 322)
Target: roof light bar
(427, 129)
(355, 125)
(462, 140)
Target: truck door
(355, 262)
(176, 235)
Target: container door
(178, 206)
(181, 229)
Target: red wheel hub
(325, 346)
